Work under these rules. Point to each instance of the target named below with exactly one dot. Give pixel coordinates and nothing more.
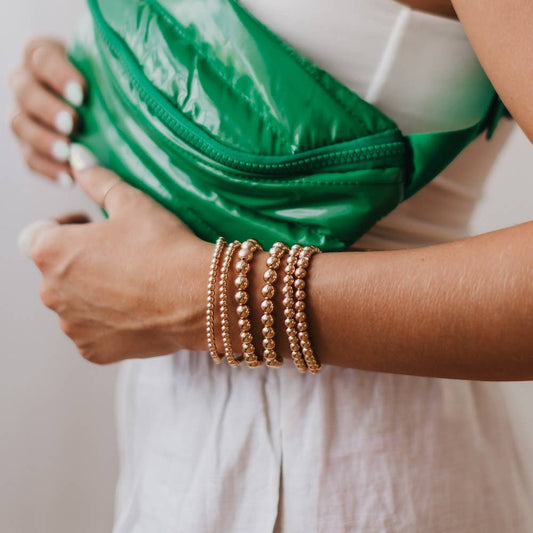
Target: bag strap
(433, 152)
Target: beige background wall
(58, 460)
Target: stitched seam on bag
(361, 154)
(270, 125)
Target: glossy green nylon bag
(202, 107)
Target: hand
(129, 286)
(44, 86)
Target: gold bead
(290, 322)
(273, 262)
(307, 352)
(278, 249)
(303, 262)
(269, 344)
(244, 324)
(305, 344)
(267, 306)
(299, 305)
(289, 313)
(312, 249)
(300, 316)
(301, 326)
(245, 254)
(241, 297)
(299, 295)
(289, 269)
(248, 348)
(294, 347)
(246, 337)
(267, 319)
(242, 267)
(268, 332)
(288, 302)
(300, 272)
(243, 311)
(270, 276)
(267, 291)
(269, 354)
(299, 284)
(241, 282)
(293, 335)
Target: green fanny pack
(202, 107)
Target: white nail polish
(73, 93)
(60, 151)
(65, 180)
(81, 158)
(64, 122)
(27, 235)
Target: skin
(457, 310)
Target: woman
(382, 440)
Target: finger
(28, 235)
(40, 103)
(101, 185)
(47, 167)
(48, 61)
(45, 141)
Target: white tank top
(207, 448)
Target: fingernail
(27, 235)
(65, 180)
(64, 122)
(61, 151)
(74, 93)
(81, 158)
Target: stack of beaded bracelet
(270, 276)
(246, 254)
(294, 296)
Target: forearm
(500, 33)
(457, 310)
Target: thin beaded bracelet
(268, 291)
(211, 292)
(246, 254)
(224, 312)
(301, 318)
(289, 309)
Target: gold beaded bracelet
(268, 291)
(246, 254)
(211, 292)
(224, 312)
(294, 302)
(289, 309)
(301, 318)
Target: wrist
(187, 318)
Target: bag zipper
(386, 144)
